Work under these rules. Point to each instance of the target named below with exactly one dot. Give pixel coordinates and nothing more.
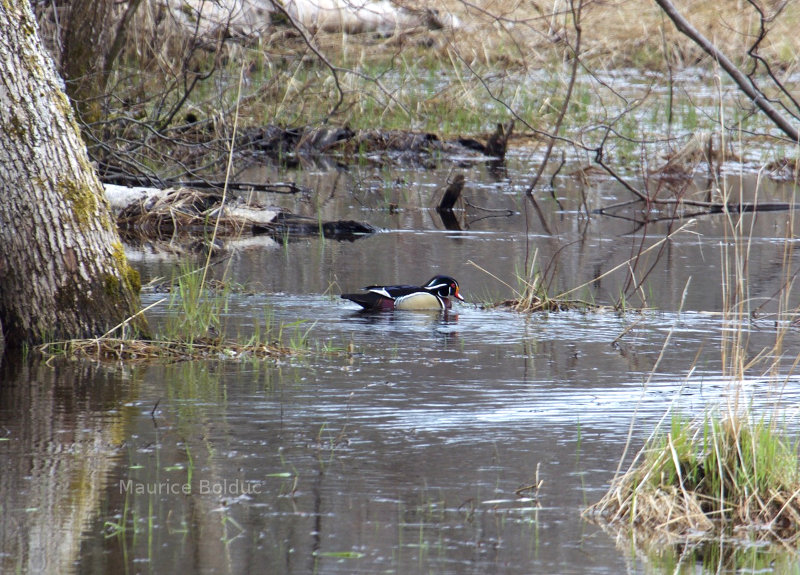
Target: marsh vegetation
(639, 231)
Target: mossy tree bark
(63, 272)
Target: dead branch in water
(451, 194)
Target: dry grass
(619, 33)
(726, 476)
(194, 329)
(533, 304)
(133, 350)
(173, 93)
(509, 34)
(532, 295)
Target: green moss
(82, 200)
(61, 101)
(111, 285)
(130, 276)
(133, 279)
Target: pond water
(406, 442)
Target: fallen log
(254, 18)
(185, 214)
(292, 225)
(289, 145)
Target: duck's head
(443, 286)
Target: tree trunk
(85, 39)
(93, 34)
(63, 272)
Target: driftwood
(177, 214)
(253, 18)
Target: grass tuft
(194, 330)
(531, 295)
(719, 476)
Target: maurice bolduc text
(202, 487)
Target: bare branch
(576, 50)
(753, 53)
(745, 84)
(278, 6)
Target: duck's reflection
(412, 324)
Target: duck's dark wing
(367, 300)
(392, 292)
(380, 297)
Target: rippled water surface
(400, 442)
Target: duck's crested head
(443, 286)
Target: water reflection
(440, 325)
(60, 428)
(720, 556)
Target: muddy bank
(290, 146)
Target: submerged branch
(708, 207)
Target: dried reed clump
(175, 211)
(119, 349)
(185, 211)
(534, 297)
(532, 303)
(730, 476)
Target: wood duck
(433, 295)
